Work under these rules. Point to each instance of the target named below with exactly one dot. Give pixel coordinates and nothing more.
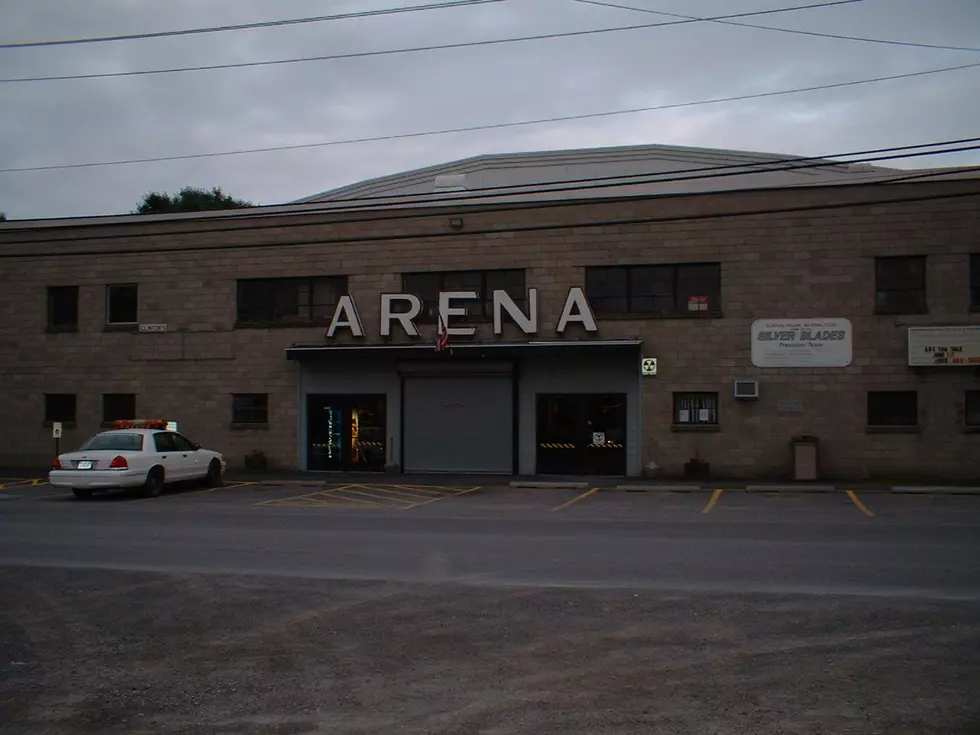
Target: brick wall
(804, 264)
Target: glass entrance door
(581, 434)
(346, 432)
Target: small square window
(122, 304)
(893, 408)
(972, 412)
(250, 408)
(59, 407)
(696, 409)
(63, 308)
(900, 284)
(118, 407)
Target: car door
(168, 455)
(192, 462)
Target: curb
(660, 488)
(574, 485)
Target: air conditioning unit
(746, 389)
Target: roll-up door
(459, 423)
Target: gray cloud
(158, 115)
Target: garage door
(459, 424)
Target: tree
(3, 217)
(188, 199)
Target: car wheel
(82, 494)
(154, 483)
(214, 478)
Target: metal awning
(469, 350)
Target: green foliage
(188, 199)
(3, 217)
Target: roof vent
(450, 182)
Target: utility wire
(490, 126)
(442, 232)
(248, 26)
(780, 30)
(414, 49)
(681, 174)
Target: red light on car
(119, 463)
(57, 464)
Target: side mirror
(195, 445)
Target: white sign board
(171, 426)
(944, 346)
(648, 366)
(56, 430)
(803, 343)
(153, 327)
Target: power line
(781, 30)
(415, 49)
(248, 26)
(442, 233)
(490, 126)
(684, 174)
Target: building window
(122, 304)
(972, 413)
(118, 407)
(428, 285)
(975, 282)
(63, 308)
(250, 408)
(900, 284)
(893, 408)
(270, 301)
(696, 409)
(59, 407)
(654, 290)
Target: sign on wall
(944, 346)
(803, 343)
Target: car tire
(153, 485)
(214, 477)
(82, 494)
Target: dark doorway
(581, 434)
(345, 432)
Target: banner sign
(944, 346)
(802, 343)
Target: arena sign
(405, 308)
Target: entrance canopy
(422, 350)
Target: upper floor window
(122, 303)
(972, 408)
(692, 409)
(289, 300)
(59, 407)
(893, 408)
(654, 290)
(250, 408)
(975, 281)
(900, 284)
(118, 407)
(63, 308)
(428, 285)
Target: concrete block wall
(778, 264)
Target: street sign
(598, 438)
(648, 366)
(171, 426)
(56, 430)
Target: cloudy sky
(57, 123)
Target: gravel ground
(87, 651)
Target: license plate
(85, 464)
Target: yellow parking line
(382, 489)
(714, 499)
(577, 498)
(444, 497)
(297, 497)
(857, 501)
(374, 498)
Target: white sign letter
(345, 315)
(406, 318)
(576, 298)
(446, 311)
(503, 302)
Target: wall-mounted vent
(746, 389)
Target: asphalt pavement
(380, 607)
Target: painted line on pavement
(396, 494)
(307, 495)
(714, 499)
(445, 497)
(375, 498)
(857, 501)
(577, 498)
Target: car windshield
(114, 442)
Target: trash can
(805, 456)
